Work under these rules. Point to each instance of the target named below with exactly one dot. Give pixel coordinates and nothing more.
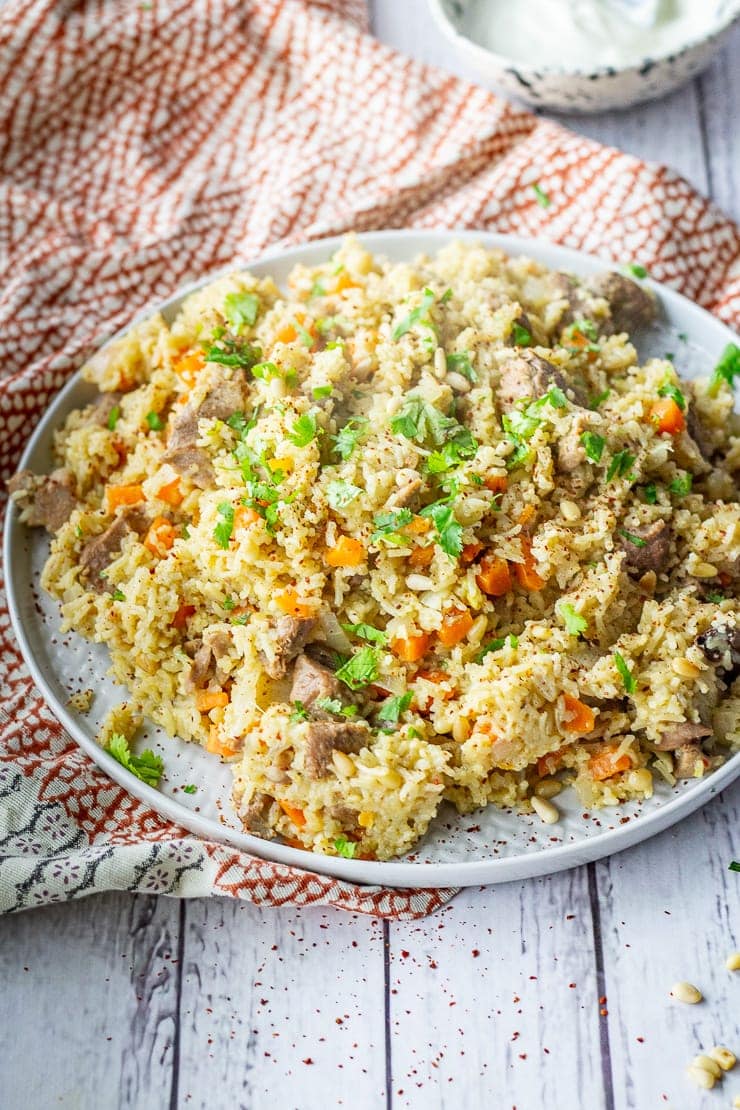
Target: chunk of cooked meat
(528, 375)
(100, 410)
(220, 642)
(208, 652)
(403, 497)
(677, 736)
(651, 552)
(289, 641)
(312, 681)
(97, 555)
(192, 463)
(226, 398)
(720, 644)
(632, 306)
(255, 816)
(183, 430)
(346, 817)
(687, 759)
(325, 737)
(694, 427)
(48, 500)
(565, 287)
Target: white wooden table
(550, 994)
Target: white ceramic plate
(488, 846)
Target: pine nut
(419, 582)
(704, 570)
(686, 992)
(724, 1057)
(460, 729)
(648, 581)
(546, 811)
(706, 1062)
(685, 668)
(548, 788)
(458, 382)
(701, 1077)
(440, 363)
(732, 963)
(570, 510)
(342, 764)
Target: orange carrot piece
(417, 526)
(470, 553)
(580, 717)
(494, 577)
(344, 281)
(189, 366)
(667, 416)
(161, 536)
(116, 496)
(293, 813)
(171, 493)
(497, 483)
(346, 552)
(216, 746)
(549, 763)
(244, 516)
(456, 624)
(210, 699)
(525, 572)
(410, 649)
(182, 615)
(526, 515)
(422, 556)
(289, 602)
(607, 763)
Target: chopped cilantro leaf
(668, 389)
(418, 315)
(344, 847)
(726, 370)
(266, 371)
(367, 632)
(520, 336)
(681, 484)
(154, 420)
(574, 623)
(497, 645)
(321, 391)
(228, 604)
(349, 436)
(593, 445)
(118, 595)
(446, 296)
(113, 417)
(393, 708)
(224, 528)
(243, 618)
(317, 290)
(628, 679)
(449, 532)
(554, 397)
(636, 270)
(542, 198)
(242, 424)
(459, 361)
(599, 399)
(300, 713)
(339, 494)
(422, 422)
(638, 541)
(734, 865)
(241, 309)
(360, 670)
(329, 705)
(234, 352)
(304, 335)
(715, 597)
(388, 525)
(650, 493)
(619, 465)
(148, 767)
(305, 429)
(191, 788)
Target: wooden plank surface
(496, 1001)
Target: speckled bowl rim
(637, 68)
(407, 873)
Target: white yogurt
(583, 34)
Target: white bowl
(488, 846)
(591, 89)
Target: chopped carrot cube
(344, 281)
(667, 416)
(549, 763)
(525, 572)
(494, 577)
(470, 553)
(346, 552)
(293, 813)
(189, 366)
(218, 746)
(410, 649)
(206, 700)
(455, 626)
(417, 526)
(171, 493)
(607, 763)
(422, 556)
(244, 516)
(116, 496)
(579, 716)
(289, 602)
(497, 483)
(182, 615)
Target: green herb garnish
(241, 309)
(339, 493)
(300, 713)
(459, 361)
(449, 532)
(418, 315)
(234, 352)
(224, 528)
(305, 429)
(497, 645)
(629, 680)
(574, 623)
(349, 436)
(599, 399)
(228, 604)
(650, 493)
(191, 788)
(344, 847)
(668, 389)
(619, 465)
(726, 370)
(367, 632)
(638, 541)
(393, 708)
(520, 336)
(148, 767)
(118, 595)
(388, 525)
(113, 417)
(636, 270)
(542, 198)
(593, 445)
(321, 391)
(360, 670)
(681, 484)
(154, 420)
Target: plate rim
(547, 860)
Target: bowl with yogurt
(585, 55)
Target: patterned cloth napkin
(146, 144)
